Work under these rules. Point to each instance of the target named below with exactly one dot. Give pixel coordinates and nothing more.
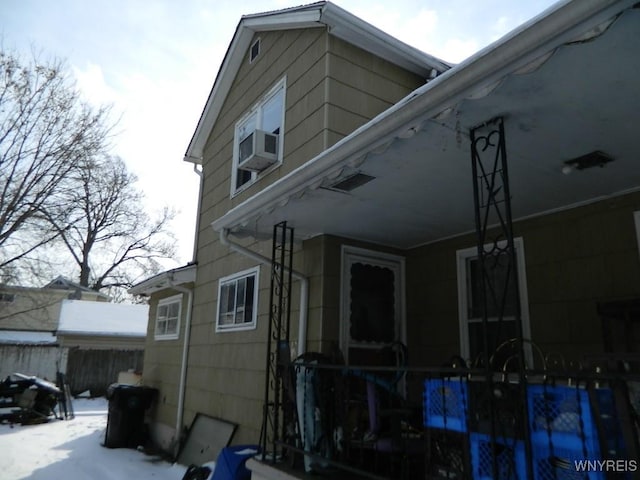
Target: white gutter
(304, 286)
(183, 365)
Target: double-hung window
(470, 308)
(266, 116)
(238, 301)
(7, 297)
(168, 318)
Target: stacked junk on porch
(502, 417)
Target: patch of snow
(72, 449)
(102, 318)
(15, 337)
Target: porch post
(278, 413)
(497, 262)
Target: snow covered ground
(72, 449)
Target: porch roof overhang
(165, 280)
(565, 84)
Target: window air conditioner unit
(258, 151)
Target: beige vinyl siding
(574, 259)
(296, 54)
(361, 86)
(32, 309)
(226, 370)
(162, 360)
(324, 98)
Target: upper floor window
(168, 318)
(238, 301)
(258, 140)
(7, 297)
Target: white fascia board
(234, 57)
(356, 31)
(560, 24)
(165, 280)
(283, 21)
(232, 60)
(341, 23)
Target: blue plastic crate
(446, 402)
(562, 410)
(509, 453)
(560, 462)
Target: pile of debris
(28, 400)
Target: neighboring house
(64, 327)
(370, 162)
(29, 319)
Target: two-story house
(373, 153)
(302, 78)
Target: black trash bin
(125, 423)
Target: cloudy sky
(155, 61)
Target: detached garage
(102, 340)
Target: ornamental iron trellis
(497, 266)
(278, 413)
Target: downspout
(183, 365)
(196, 236)
(304, 285)
(187, 332)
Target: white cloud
(419, 30)
(457, 49)
(93, 86)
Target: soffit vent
(351, 182)
(590, 160)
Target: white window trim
(255, 271)
(351, 255)
(636, 221)
(461, 260)
(251, 60)
(166, 301)
(282, 84)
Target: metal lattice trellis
(496, 249)
(275, 423)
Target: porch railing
(407, 423)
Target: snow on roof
(102, 318)
(14, 337)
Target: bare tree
(104, 227)
(45, 131)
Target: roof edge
(361, 33)
(165, 280)
(554, 27)
(340, 23)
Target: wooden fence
(95, 370)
